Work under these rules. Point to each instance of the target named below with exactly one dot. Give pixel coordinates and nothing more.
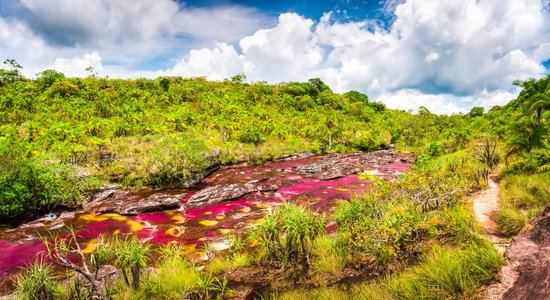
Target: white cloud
(76, 66)
(409, 99)
(444, 54)
(218, 63)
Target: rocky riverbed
(228, 201)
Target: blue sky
(445, 55)
(342, 9)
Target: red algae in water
(16, 255)
(195, 226)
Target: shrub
(288, 234)
(37, 282)
(31, 186)
(177, 158)
(132, 255)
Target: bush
(288, 234)
(37, 282)
(370, 227)
(132, 255)
(32, 186)
(177, 158)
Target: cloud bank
(445, 55)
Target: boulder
(216, 194)
(529, 257)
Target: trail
(486, 206)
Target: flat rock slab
(216, 194)
(132, 203)
(337, 166)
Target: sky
(448, 56)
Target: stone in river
(216, 194)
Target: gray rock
(217, 194)
(327, 169)
(135, 202)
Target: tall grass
(444, 273)
(522, 197)
(174, 278)
(288, 234)
(38, 282)
(132, 255)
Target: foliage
(176, 159)
(288, 234)
(38, 283)
(30, 186)
(132, 255)
(522, 197)
(175, 277)
(47, 77)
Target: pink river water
(194, 227)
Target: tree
(12, 75)
(529, 131)
(239, 78)
(536, 96)
(476, 111)
(47, 77)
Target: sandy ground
(486, 205)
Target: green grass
(326, 258)
(225, 264)
(38, 282)
(522, 197)
(174, 278)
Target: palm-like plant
(530, 131)
(132, 255)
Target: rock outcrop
(529, 257)
(112, 200)
(219, 193)
(327, 169)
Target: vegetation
(410, 238)
(288, 234)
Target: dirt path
(485, 206)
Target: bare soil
(486, 206)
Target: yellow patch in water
(116, 231)
(116, 217)
(208, 222)
(341, 189)
(134, 226)
(220, 217)
(207, 213)
(264, 205)
(90, 247)
(245, 209)
(178, 219)
(90, 217)
(257, 221)
(224, 230)
(175, 231)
